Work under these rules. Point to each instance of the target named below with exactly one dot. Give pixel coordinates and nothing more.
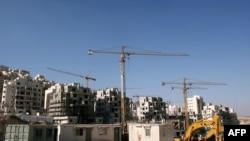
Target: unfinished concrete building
(9, 74)
(108, 106)
(151, 109)
(20, 93)
(70, 100)
(23, 94)
(228, 114)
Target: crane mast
(186, 86)
(123, 89)
(123, 55)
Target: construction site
(73, 104)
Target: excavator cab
(204, 130)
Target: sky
(35, 35)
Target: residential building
(9, 74)
(108, 106)
(195, 105)
(3, 76)
(209, 110)
(23, 94)
(70, 101)
(228, 114)
(174, 110)
(151, 108)
(177, 116)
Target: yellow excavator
(204, 130)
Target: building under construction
(108, 106)
(71, 100)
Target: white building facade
(151, 132)
(89, 132)
(174, 110)
(108, 106)
(22, 95)
(209, 110)
(195, 106)
(151, 108)
(228, 115)
(67, 101)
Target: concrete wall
(89, 132)
(25, 132)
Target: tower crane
(186, 86)
(87, 78)
(123, 55)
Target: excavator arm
(215, 130)
(190, 132)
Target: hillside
(244, 120)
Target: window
(39, 133)
(147, 132)
(79, 131)
(48, 133)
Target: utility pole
(186, 86)
(123, 55)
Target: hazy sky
(38, 34)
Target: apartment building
(174, 110)
(177, 116)
(195, 105)
(151, 108)
(23, 94)
(228, 114)
(3, 70)
(209, 110)
(68, 101)
(108, 106)
(9, 74)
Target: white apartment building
(9, 74)
(151, 108)
(108, 106)
(228, 114)
(67, 101)
(209, 110)
(174, 110)
(22, 95)
(195, 105)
